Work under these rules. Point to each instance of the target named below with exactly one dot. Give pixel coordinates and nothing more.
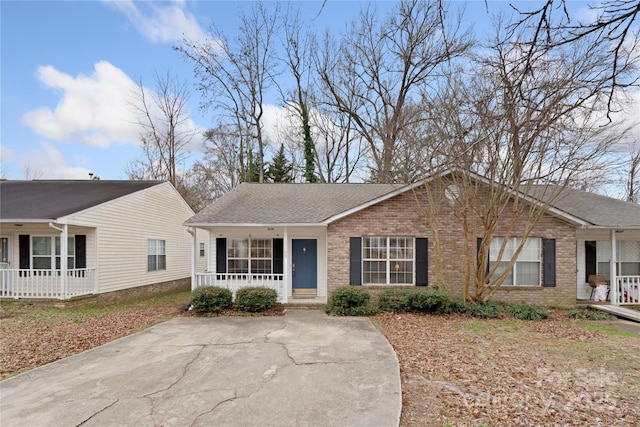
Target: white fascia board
(31, 221)
(253, 225)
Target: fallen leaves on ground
(468, 372)
(455, 370)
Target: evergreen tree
(309, 148)
(280, 169)
(253, 169)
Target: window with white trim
(387, 260)
(526, 269)
(201, 249)
(156, 255)
(45, 252)
(249, 256)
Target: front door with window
(304, 268)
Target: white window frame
(527, 255)
(250, 254)
(156, 251)
(384, 254)
(54, 252)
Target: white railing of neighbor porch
(47, 283)
(233, 281)
(628, 289)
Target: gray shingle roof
(252, 203)
(598, 210)
(51, 199)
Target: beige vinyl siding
(123, 227)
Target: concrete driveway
(301, 369)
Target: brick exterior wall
(404, 215)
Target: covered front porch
(47, 284)
(615, 255)
(31, 265)
(290, 259)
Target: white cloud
(50, 163)
(163, 23)
(93, 110)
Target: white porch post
(194, 239)
(64, 251)
(286, 270)
(615, 300)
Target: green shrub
(526, 312)
(210, 299)
(433, 301)
(484, 310)
(393, 300)
(350, 301)
(255, 299)
(589, 314)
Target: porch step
(623, 312)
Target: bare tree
(30, 172)
(531, 122)
(553, 28)
(236, 74)
(163, 116)
(633, 175)
(384, 67)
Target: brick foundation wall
(404, 215)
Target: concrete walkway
(301, 369)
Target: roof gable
(52, 199)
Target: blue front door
(304, 268)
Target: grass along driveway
(456, 371)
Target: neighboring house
(305, 240)
(117, 236)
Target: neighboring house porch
(31, 265)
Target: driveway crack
(98, 412)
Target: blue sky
(68, 69)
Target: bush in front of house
(426, 300)
(525, 311)
(588, 314)
(255, 299)
(211, 299)
(350, 301)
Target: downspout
(63, 258)
(191, 231)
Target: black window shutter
(221, 255)
(422, 261)
(278, 250)
(549, 262)
(81, 251)
(355, 261)
(25, 251)
(589, 259)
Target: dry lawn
(455, 370)
(461, 371)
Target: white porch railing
(628, 289)
(233, 281)
(47, 283)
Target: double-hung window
(45, 252)
(387, 260)
(526, 269)
(249, 256)
(156, 255)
